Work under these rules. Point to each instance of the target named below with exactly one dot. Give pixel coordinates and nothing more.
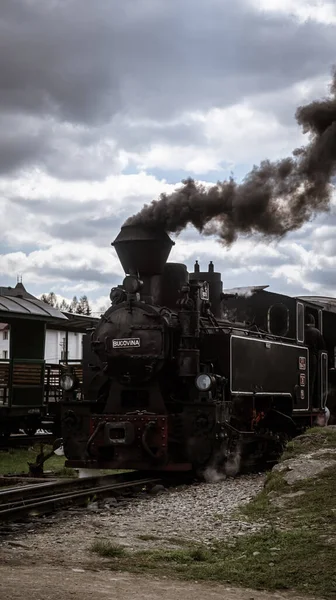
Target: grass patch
(261, 506)
(314, 439)
(15, 461)
(272, 560)
(108, 550)
(316, 506)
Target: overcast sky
(106, 104)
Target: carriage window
(300, 322)
(278, 319)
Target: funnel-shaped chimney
(142, 250)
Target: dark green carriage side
(22, 375)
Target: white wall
(55, 343)
(53, 346)
(4, 344)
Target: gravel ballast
(200, 512)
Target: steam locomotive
(177, 374)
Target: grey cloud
(324, 277)
(244, 261)
(67, 212)
(87, 61)
(101, 231)
(90, 220)
(56, 207)
(63, 150)
(55, 58)
(83, 153)
(101, 64)
(139, 136)
(19, 147)
(78, 274)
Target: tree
(64, 306)
(73, 305)
(83, 307)
(50, 299)
(80, 307)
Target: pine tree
(64, 306)
(83, 307)
(80, 307)
(73, 305)
(50, 299)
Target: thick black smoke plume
(273, 199)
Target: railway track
(35, 499)
(24, 441)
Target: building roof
(75, 322)
(18, 303)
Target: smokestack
(142, 250)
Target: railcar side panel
(259, 365)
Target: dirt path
(59, 583)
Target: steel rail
(22, 441)
(33, 489)
(11, 510)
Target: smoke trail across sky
(273, 198)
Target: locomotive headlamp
(132, 284)
(67, 382)
(203, 382)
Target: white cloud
(37, 185)
(317, 10)
(34, 203)
(243, 133)
(228, 136)
(69, 262)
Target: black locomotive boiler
(177, 373)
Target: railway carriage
(29, 385)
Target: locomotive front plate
(126, 343)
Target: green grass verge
(15, 461)
(272, 560)
(294, 550)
